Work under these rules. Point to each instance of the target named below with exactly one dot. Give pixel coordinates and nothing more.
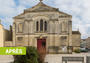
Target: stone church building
(46, 27)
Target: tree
(30, 57)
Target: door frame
(42, 40)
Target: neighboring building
(1, 36)
(83, 43)
(9, 42)
(88, 43)
(76, 40)
(4, 35)
(45, 27)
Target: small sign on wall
(12, 50)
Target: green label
(12, 50)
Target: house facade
(4, 35)
(43, 27)
(76, 40)
(88, 43)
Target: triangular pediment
(41, 7)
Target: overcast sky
(79, 9)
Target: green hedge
(77, 50)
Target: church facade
(43, 27)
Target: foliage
(42, 54)
(77, 50)
(30, 57)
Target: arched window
(45, 26)
(41, 25)
(20, 27)
(37, 24)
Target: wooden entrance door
(41, 45)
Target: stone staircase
(6, 58)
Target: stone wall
(51, 41)
(76, 40)
(88, 43)
(58, 27)
(58, 33)
(67, 58)
(8, 43)
(4, 35)
(1, 36)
